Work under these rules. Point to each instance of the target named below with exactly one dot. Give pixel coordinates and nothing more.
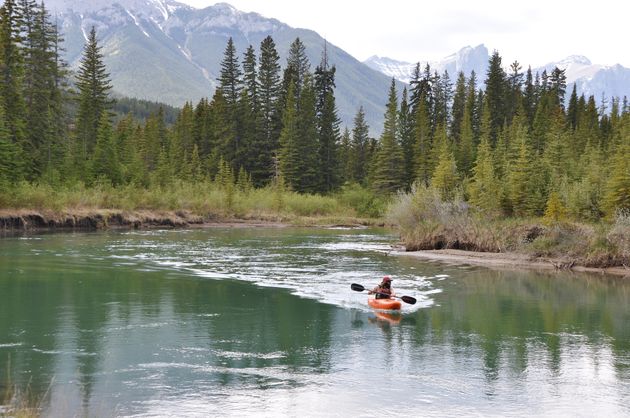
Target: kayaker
(384, 289)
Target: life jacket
(383, 292)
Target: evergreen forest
(509, 142)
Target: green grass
(206, 199)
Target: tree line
(515, 147)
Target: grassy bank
(427, 222)
(208, 200)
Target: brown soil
(507, 260)
(28, 220)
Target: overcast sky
(534, 32)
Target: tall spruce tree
(296, 71)
(406, 138)
(484, 187)
(269, 95)
(105, 165)
(308, 139)
(94, 85)
(327, 126)
(44, 70)
(230, 83)
(388, 174)
(445, 178)
(423, 143)
(617, 195)
(289, 153)
(495, 95)
(359, 150)
(459, 104)
(12, 75)
(9, 161)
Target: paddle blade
(357, 287)
(409, 300)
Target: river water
(262, 322)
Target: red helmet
(387, 279)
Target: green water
(262, 322)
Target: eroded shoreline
(507, 261)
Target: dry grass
(427, 222)
(206, 200)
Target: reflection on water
(236, 322)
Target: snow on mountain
(600, 81)
(400, 70)
(166, 51)
(466, 59)
(575, 67)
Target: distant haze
(534, 32)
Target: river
(262, 322)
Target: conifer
(445, 178)
(388, 176)
(94, 85)
(484, 189)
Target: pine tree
(389, 165)
(465, 151)
(513, 98)
(406, 137)
(618, 185)
(94, 85)
(572, 110)
(230, 83)
(9, 161)
(557, 87)
(484, 187)
(105, 165)
(327, 126)
(522, 179)
(345, 150)
(443, 96)
(422, 144)
(529, 98)
(183, 140)
(555, 211)
(308, 140)
(196, 170)
(11, 73)
(298, 67)
(445, 178)
(223, 138)
(459, 106)
(359, 152)
(249, 116)
(495, 96)
(288, 155)
(269, 95)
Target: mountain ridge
(163, 50)
(590, 79)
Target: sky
(533, 32)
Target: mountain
(593, 79)
(466, 60)
(162, 50)
(590, 79)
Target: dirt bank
(506, 260)
(28, 220)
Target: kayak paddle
(406, 299)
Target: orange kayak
(385, 304)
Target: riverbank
(33, 207)
(22, 220)
(507, 261)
